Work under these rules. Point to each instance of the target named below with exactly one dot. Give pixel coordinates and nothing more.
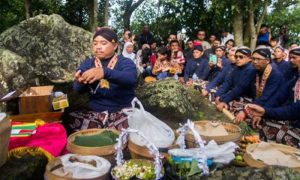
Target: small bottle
(194, 77)
(176, 76)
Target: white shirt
(225, 39)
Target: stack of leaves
(104, 138)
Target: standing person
(109, 80)
(128, 51)
(225, 37)
(201, 39)
(264, 36)
(146, 36)
(284, 36)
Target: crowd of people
(261, 87)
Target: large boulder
(174, 103)
(47, 49)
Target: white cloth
(225, 39)
(126, 54)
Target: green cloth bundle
(105, 138)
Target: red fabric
(197, 43)
(51, 137)
(153, 59)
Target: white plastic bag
(157, 131)
(82, 170)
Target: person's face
(231, 57)
(126, 35)
(212, 38)
(201, 35)
(273, 43)
(190, 44)
(175, 47)
(295, 60)
(241, 59)
(197, 54)
(229, 45)
(161, 56)
(129, 49)
(102, 48)
(224, 34)
(146, 29)
(153, 46)
(172, 37)
(263, 30)
(259, 62)
(278, 54)
(219, 53)
(216, 43)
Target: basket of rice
(262, 154)
(221, 132)
(99, 142)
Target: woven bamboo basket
(234, 134)
(56, 163)
(142, 152)
(250, 161)
(106, 152)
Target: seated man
(241, 81)
(198, 65)
(221, 61)
(268, 80)
(222, 68)
(282, 65)
(280, 124)
(109, 80)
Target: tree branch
(261, 18)
(135, 5)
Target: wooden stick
(228, 114)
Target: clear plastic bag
(82, 170)
(157, 131)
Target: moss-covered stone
(51, 47)
(173, 102)
(241, 173)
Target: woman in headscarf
(128, 51)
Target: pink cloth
(52, 137)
